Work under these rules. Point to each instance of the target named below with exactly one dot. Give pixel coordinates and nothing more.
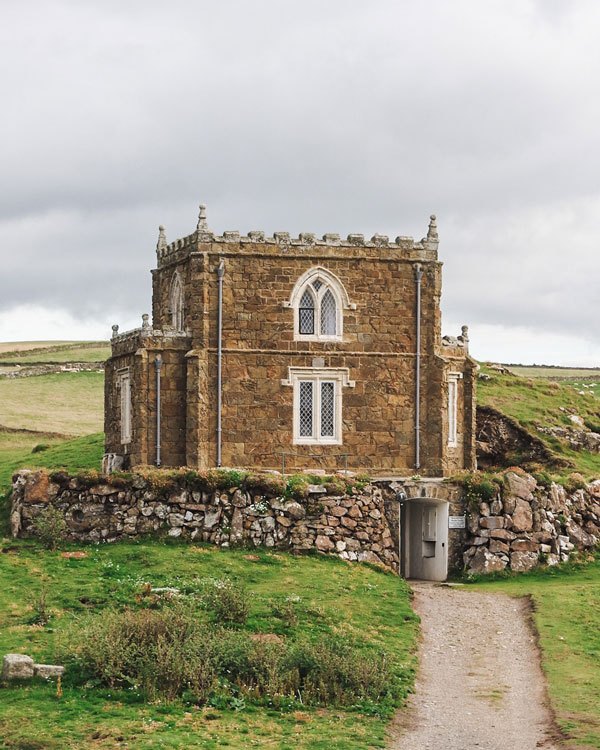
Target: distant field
(555, 373)
(68, 403)
(81, 354)
(22, 346)
(55, 351)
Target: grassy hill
(46, 597)
(538, 401)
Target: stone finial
(145, 323)
(115, 330)
(432, 232)
(202, 225)
(161, 245)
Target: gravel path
(480, 685)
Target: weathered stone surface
(522, 516)
(519, 486)
(483, 561)
(492, 522)
(522, 561)
(496, 547)
(17, 667)
(324, 543)
(48, 671)
(295, 511)
(502, 534)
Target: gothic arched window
(176, 303)
(318, 301)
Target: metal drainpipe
(158, 364)
(418, 276)
(220, 275)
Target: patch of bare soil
(480, 685)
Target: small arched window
(318, 301)
(176, 303)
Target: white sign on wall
(456, 522)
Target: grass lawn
(351, 600)
(567, 615)
(68, 403)
(16, 453)
(541, 402)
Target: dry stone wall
(518, 527)
(354, 527)
(525, 524)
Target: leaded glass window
(327, 409)
(306, 314)
(328, 314)
(305, 408)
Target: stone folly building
(307, 353)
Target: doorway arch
(424, 539)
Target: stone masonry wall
(259, 345)
(525, 524)
(354, 527)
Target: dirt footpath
(480, 684)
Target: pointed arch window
(176, 303)
(319, 300)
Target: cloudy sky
(305, 115)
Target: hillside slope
(558, 413)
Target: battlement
(168, 252)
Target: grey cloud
(304, 116)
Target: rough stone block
(522, 561)
(48, 671)
(17, 667)
(492, 522)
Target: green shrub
(41, 613)
(50, 527)
(39, 448)
(479, 488)
(228, 603)
(167, 652)
(297, 486)
(286, 609)
(265, 484)
(159, 652)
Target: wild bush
(167, 652)
(50, 527)
(160, 652)
(228, 603)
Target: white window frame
(124, 385)
(328, 281)
(317, 375)
(453, 378)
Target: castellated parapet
(304, 352)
